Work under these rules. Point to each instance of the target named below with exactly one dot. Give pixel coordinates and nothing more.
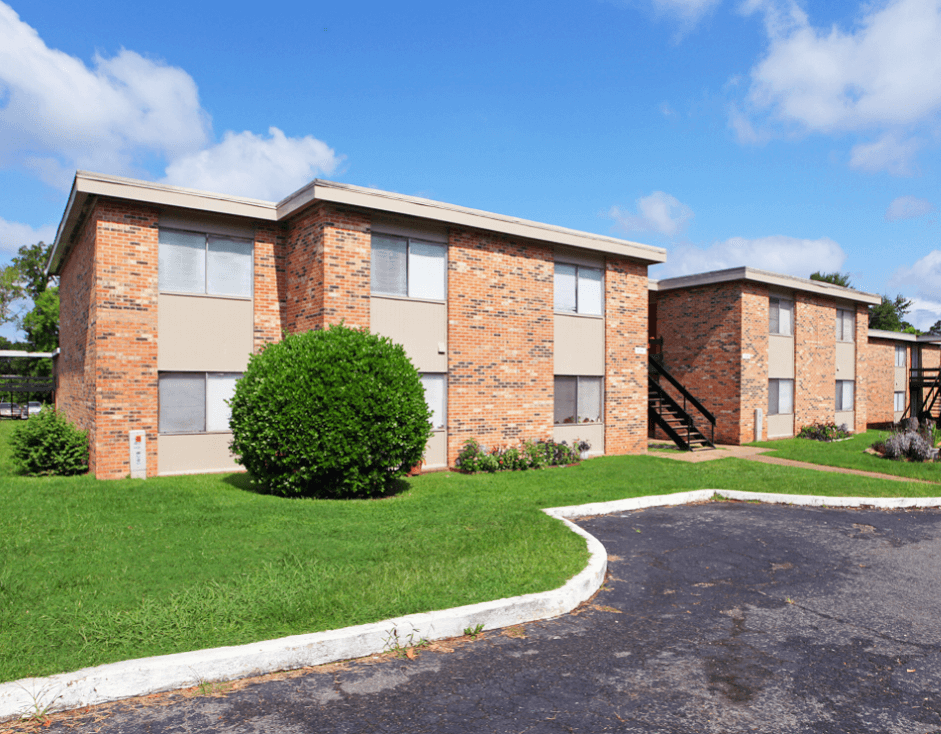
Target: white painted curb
(114, 681)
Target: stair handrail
(660, 369)
(922, 378)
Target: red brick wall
(815, 359)
(755, 368)
(267, 300)
(862, 394)
(880, 381)
(125, 334)
(626, 314)
(326, 269)
(500, 339)
(75, 365)
(702, 346)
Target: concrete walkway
(755, 453)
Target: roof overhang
(754, 275)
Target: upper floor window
(900, 355)
(402, 266)
(193, 262)
(781, 316)
(578, 289)
(916, 357)
(845, 325)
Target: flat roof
(754, 275)
(904, 336)
(87, 185)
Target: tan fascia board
(775, 279)
(386, 201)
(86, 185)
(893, 335)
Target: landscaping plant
(475, 458)
(48, 444)
(819, 431)
(338, 412)
(909, 441)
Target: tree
(935, 329)
(41, 325)
(890, 314)
(841, 279)
(23, 280)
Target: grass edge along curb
(143, 676)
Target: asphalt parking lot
(719, 617)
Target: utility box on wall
(138, 445)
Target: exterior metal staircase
(924, 385)
(675, 419)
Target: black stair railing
(924, 388)
(660, 402)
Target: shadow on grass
(243, 481)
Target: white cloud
(14, 234)
(245, 164)
(924, 276)
(777, 253)
(881, 77)
(660, 212)
(58, 114)
(908, 207)
(923, 313)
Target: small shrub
(48, 444)
(909, 441)
(527, 455)
(333, 413)
(819, 431)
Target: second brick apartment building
(520, 330)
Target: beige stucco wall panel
(900, 379)
(591, 432)
(579, 345)
(203, 334)
(846, 416)
(780, 357)
(436, 451)
(780, 426)
(195, 453)
(419, 326)
(845, 361)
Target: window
(899, 355)
(436, 396)
(578, 400)
(780, 397)
(899, 404)
(844, 395)
(578, 289)
(195, 402)
(781, 316)
(916, 357)
(191, 262)
(409, 268)
(845, 325)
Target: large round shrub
(332, 413)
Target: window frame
(901, 351)
(775, 382)
(841, 315)
(895, 400)
(206, 238)
(775, 302)
(205, 395)
(408, 265)
(577, 311)
(578, 379)
(840, 396)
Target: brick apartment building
(519, 329)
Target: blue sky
(782, 135)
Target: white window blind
(578, 400)
(427, 264)
(781, 316)
(899, 355)
(589, 291)
(845, 325)
(899, 405)
(436, 398)
(220, 386)
(566, 398)
(589, 400)
(389, 265)
(565, 288)
(182, 402)
(844, 395)
(780, 397)
(181, 262)
(229, 267)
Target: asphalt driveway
(720, 617)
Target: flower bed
(527, 455)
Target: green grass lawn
(851, 454)
(94, 572)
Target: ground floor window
(195, 402)
(899, 402)
(578, 400)
(780, 397)
(436, 396)
(844, 395)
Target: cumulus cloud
(58, 114)
(244, 164)
(924, 277)
(777, 253)
(878, 78)
(660, 212)
(924, 313)
(908, 207)
(13, 235)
